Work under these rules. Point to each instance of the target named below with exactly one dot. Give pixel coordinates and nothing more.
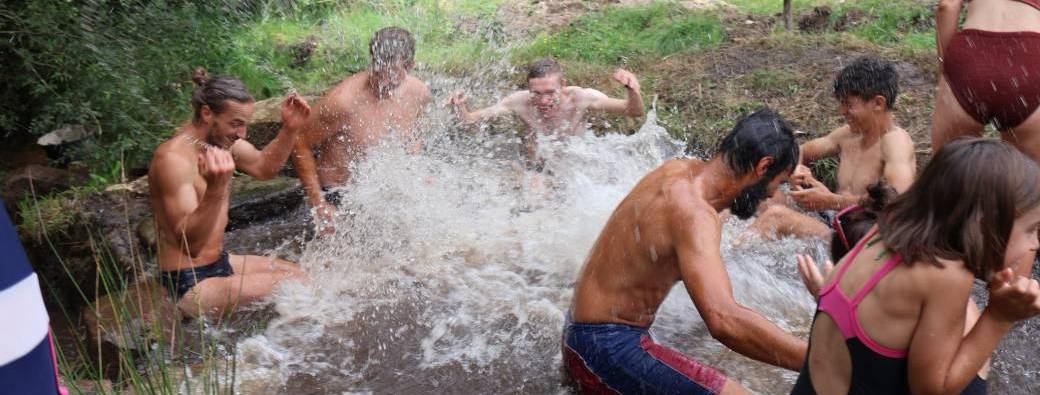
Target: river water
(451, 272)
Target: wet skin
(550, 107)
(668, 230)
(190, 178)
(360, 112)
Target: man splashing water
(667, 230)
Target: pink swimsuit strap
(842, 310)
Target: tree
(787, 15)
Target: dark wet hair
(762, 134)
(391, 46)
(963, 206)
(542, 68)
(856, 224)
(866, 78)
(215, 91)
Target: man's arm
(897, 150)
(502, 108)
(264, 165)
(822, 147)
(947, 14)
(414, 139)
(941, 359)
(191, 221)
(708, 284)
(315, 131)
(632, 107)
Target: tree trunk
(787, 15)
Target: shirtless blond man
(665, 231)
(190, 178)
(360, 112)
(871, 147)
(550, 107)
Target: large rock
(267, 119)
(142, 314)
(130, 322)
(36, 180)
(115, 230)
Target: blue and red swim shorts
(616, 358)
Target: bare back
(889, 314)
(350, 118)
(633, 264)
(1002, 16)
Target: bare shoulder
(683, 200)
(586, 95)
(516, 99)
(842, 134)
(897, 142)
(171, 160)
(897, 138)
(417, 87)
(949, 274)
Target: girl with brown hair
(891, 317)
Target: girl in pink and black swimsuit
(990, 72)
(891, 317)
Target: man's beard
(746, 204)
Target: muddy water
(451, 272)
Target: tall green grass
(164, 359)
(622, 35)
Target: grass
(906, 24)
(630, 35)
(263, 60)
(125, 353)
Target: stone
(267, 119)
(38, 180)
(67, 134)
(136, 317)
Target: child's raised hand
(811, 275)
(1013, 297)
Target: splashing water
(453, 270)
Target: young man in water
(190, 178)
(870, 147)
(360, 112)
(550, 107)
(668, 230)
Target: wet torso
(633, 264)
(570, 118)
(172, 255)
(861, 160)
(353, 119)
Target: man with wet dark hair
(360, 112)
(870, 147)
(550, 107)
(665, 231)
(190, 178)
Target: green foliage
(122, 69)
(631, 34)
